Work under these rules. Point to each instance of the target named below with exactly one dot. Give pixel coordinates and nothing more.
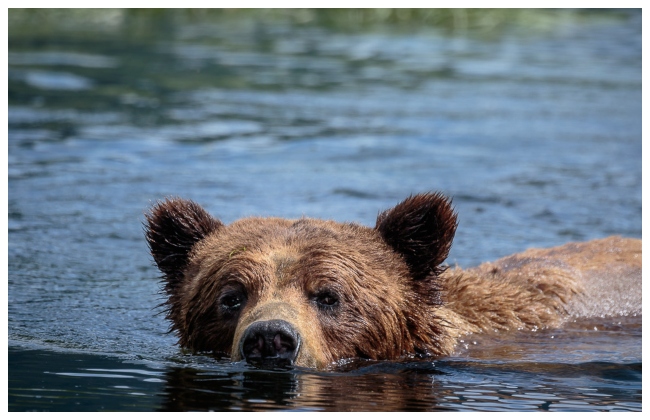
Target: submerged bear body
(311, 292)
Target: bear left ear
(173, 227)
(421, 229)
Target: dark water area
(535, 134)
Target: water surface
(537, 137)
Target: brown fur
(351, 291)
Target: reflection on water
(46, 380)
(41, 380)
(576, 368)
(536, 136)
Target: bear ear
(172, 229)
(421, 229)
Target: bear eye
(233, 301)
(326, 299)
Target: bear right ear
(173, 228)
(421, 229)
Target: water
(537, 137)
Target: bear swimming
(311, 292)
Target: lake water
(536, 136)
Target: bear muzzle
(274, 342)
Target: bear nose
(274, 341)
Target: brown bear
(311, 292)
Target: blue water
(537, 137)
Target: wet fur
(396, 299)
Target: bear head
(306, 292)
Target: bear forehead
(284, 246)
(265, 234)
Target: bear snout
(276, 342)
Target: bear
(314, 293)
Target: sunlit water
(537, 138)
